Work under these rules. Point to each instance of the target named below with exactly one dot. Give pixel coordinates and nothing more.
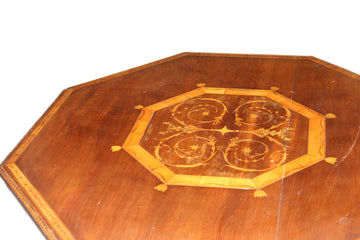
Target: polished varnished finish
(76, 175)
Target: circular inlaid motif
(186, 150)
(260, 113)
(199, 111)
(253, 154)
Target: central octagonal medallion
(230, 138)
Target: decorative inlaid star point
(205, 113)
(225, 130)
(253, 115)
(194, 147)
(246, 150)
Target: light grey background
(46, 46)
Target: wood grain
(66, 175)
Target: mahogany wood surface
(81, 175)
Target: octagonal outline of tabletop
(315, 152)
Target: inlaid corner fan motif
(227, 138)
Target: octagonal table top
(197, 146)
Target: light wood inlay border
(27, 194)
(315, 154)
